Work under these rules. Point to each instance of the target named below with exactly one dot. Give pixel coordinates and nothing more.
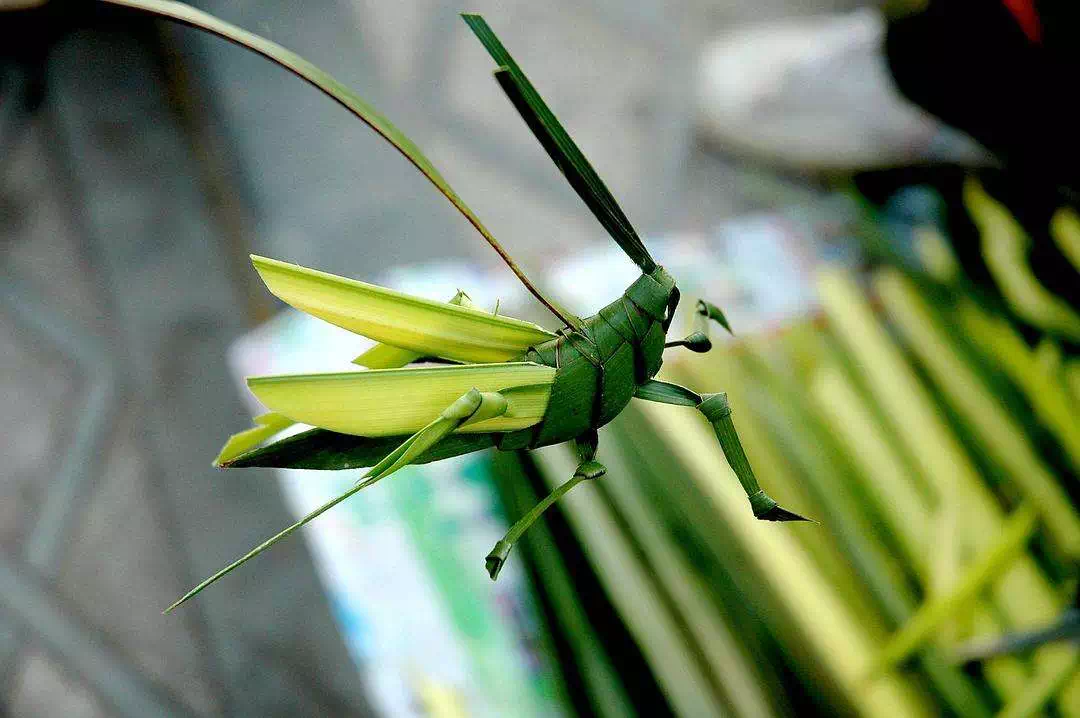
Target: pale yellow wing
(386, 356)
(266, 426)
(424, 326)
(387, 402)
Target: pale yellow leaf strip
(266, 426)
(921, 627)
(387, 402)
(385, 356)
(425, 326)
(1005, 246)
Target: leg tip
(779, 513)
(766, 509)
(494, 564)
(497, 559)
(591, 470)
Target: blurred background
(878, 197)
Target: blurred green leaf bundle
(938, 449)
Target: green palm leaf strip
(1005, 248)
(1000, 435)
(1040, 691)
(989, 567)
(563, 151)
(325, 450)
(1065, 231)
(389, 402)
(388, 356)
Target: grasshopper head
(656, 293)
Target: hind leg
(472, 406)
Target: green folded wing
(423, 326)
(385, 402)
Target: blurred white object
(816, 93)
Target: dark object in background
(1007, 82)
(27, 34)
(1004, 72)
(1066, 629)
(1031, 203)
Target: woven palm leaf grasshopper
(499, 382)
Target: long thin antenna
(187, 15)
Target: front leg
(717, 412)
(698, 340)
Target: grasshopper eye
(673, 304)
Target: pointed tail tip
(765, 508)
(182, 600)
(232, 462)
(494, 564)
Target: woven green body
(620, 348)
(598, 371)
